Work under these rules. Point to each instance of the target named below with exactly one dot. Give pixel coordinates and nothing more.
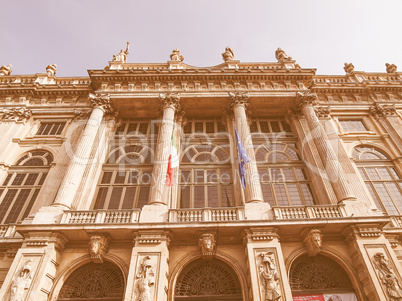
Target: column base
(155, 213)
(46, 215)
(258, 211)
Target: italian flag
(173, 161)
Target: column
(239, 102)
(81, 157)
(170, 103)
(266, 265)
(327, 154)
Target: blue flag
(242, 158)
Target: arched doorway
(319, 276)
(94, 281)
(211, 280)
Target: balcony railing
(7, 231)
(306, 212)
(206, 215)
(101, 217)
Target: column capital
(21, 114)
(170, 100)
(383, 110)
(101, 101)
(306, 98)
(323, 111)
(238, 99)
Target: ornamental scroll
(387, 276)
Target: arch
(35, 158)
(206, 154)
(276, 152)
(130, 154)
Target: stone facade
(87, 211)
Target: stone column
(34, 268)
(81, 156)
(170, 103)
(335, 173)
(149, 269)
(239, 102)
(266, 265)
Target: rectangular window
(51, 128)
(353, 126)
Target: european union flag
(242, 158)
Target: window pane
(395, 193)
(129, 197)
(31, 202)
(385, 198)
(286, 127)
(187, 128)
(185, 177)
(20, 201)
(308, 196)
(107, 176)
(143, 196)
(199, 197)
(226, 192)
(7, 179)
(288, 173)
(372, 173)
(374, 196)
(143, 128)
(275, 127)
(301, 174)
(18, 179)
(42, 178)
(213, 199)
(264, 127)
(133, 177)
(280, 194)
(212, 176)
(100, 198)
(294, 195)
(199, 128)
(210, 128)
(185, 197)
(362, 173)
(5, 204)
(384, 173)
(267, 194)
(198, 176)
(115, 198)
(394, 173)
(226, 176)
(31, 179)
(120, 177)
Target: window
(51, 128)
(21, 187)
(140, 128)
(270, 126)
(381, 178)
(204, 126)
(353, 126)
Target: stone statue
(145, 280)
(176, 56)
(391, 68)
(51, 70)
(6, 70)
(270, 277)
(349, 68)
(98, 247)
(122, 56)
(387, 276)
(281, 56)
(228, 55)
(21, 283)
(313, 241)
(207, 243)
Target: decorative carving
(238, 99)
(101, 101)
(51, 70)
(16, 114)
(170, 100)
(21, 283)
(383, 110)
(281, 56)
(228, 55)
(176, 56)
(349, 68)
(269, 276)
(312, 239)
(98, 247)
(387, 276)
(81, 114)
(207, 243)
(145, 279)
(261, 234)
(306, 98)
(391, 68)
(122, 56)
(6, 70)
(322, 112)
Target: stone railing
(100, 217)
(396, 221)
(7, 230)
(306, 212)
(206, 215)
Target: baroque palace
(96, 205)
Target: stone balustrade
(396, 221)
(101, 217)
(307, 212)
(8, 231)
(206, 215)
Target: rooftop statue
(281, 56)
(5, 70)
(228, 55)
(391, 68)
(51, 70)
(122, 56)
(176, 55)
(349, 68)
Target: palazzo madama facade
(87, 213)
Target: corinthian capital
(101, 101)
(171, 100)
(382, 110)
(16, 114)
(238, 99)
(306, 98)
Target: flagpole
(243, 198)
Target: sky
(81, 35)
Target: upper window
(139, 128)
(19, 190)
(204, 126)
(381, 178)
(50, 128)
(270, 126)
(353, 126)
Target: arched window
(381, 178)
(208, 280)
(283, 176)
(22, 185)
(94, 281)
(126, 178)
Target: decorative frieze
(387, 276)
(151, 237)
(261, 234)
(312, 239)
(21, 114)
(98, 247)
(207, 244)
(383, 110)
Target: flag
(173, 161)
(242, 158)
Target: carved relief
(207, 244)
(269, 277)
(16, 114)
(228, 55)
(21, 283)
(382, 110)
(391, 68)
(322, 112)
(145, 279)
(98, 247)
(122, 56)
(387, 276)
(6, 70)
(51, 70)
(281, 56)
(306, 98)
(101, 101)
(176, 56)
(312, 239)
(170, 100)
(349, 68)
(238, 98)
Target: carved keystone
(312, 239)
(98, 247)
(207, 244)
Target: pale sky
(80, 35)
